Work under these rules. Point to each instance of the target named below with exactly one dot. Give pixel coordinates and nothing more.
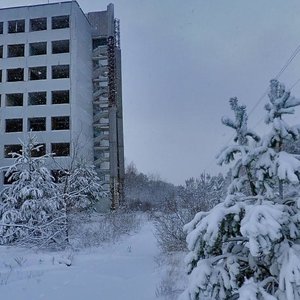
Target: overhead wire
(284, 67)
(293, 85)
(265, 93)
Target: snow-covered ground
(124, 270)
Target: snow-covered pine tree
(242, 172)
(248, 247)
(31, 208)
(81, 185)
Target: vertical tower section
(107, 103)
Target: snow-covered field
(123, 270)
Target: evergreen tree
(248, 247)
(242, 172)
(81, 186)
(31, 208)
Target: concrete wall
(81, 85)
(80, 107)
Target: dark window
(62, 71)
(9, 179)
(16, 26)
(60, 97)
(39, 150)
(15, 50)
(99, 42)
(60, 47)
(13, 125)
(37, 98)
(0, 75)
(38, 48)
(37, 124)
(37, 73)
(60, 22)
(38, 24)
(15, 74)
(60, 123)
(60, 149)
(1, 51)
(14, 99)
(1, 27)
(10, 149)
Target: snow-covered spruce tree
(81, 185)
(248, 247)
(31, 208)
(242, 172)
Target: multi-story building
(60, 77)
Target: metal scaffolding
(106, 118)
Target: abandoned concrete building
(60, 77)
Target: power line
(293, 85)
(293, 55)
(258, 101)
(290, 88)
(285, 66)
(281, 71)
(288, 62)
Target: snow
(125, 270)
(288, 167)
(262, 225)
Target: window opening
(99, 42)
(15, 50)
(62, 71)
(37, 73)
(14, 99)
(15, 74)
(8, 179)
(60, 97)
(60, 149)
(9, 149)
(13, 125)
(37, 98)
(16, 26)
(1, 27)
(37, 124)
(60, 22)
(62, 46)
(38, 24)
(1, 51)
(60, 123)
(39, 151)
(39, 48)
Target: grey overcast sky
(182, 61)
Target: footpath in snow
(125, 270)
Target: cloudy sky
(183, 60)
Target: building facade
(60, 77)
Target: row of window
(37, 124)
(57, 149)
(38, 48)
(57, 176)
(37, 73)
(36, 24)
(36, 98)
